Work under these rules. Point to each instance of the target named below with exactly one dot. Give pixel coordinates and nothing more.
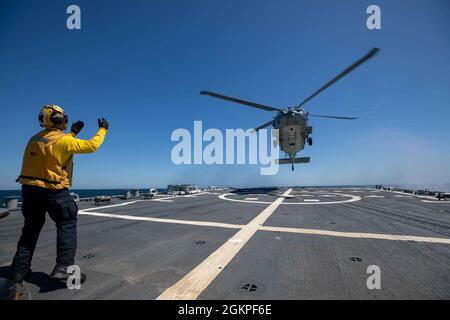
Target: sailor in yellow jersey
(46, 177)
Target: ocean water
(82, 193)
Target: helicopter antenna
(368, 56)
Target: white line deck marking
(374, 196)
(193, 284)
(312, 200)
(160, 199)
(343, 234)
(436, 201)
(251, 199)
(357, 235)
(410, 194)
(137, 218)
(113, 205)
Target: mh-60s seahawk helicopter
(292, 122)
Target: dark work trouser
(63, 211)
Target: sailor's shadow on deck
(39, 279)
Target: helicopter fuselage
(292, 123)
(293, 130)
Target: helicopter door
(291, 137)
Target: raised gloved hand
(103, 123)
(76, 127)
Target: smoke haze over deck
(141, 65)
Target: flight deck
(268, 243)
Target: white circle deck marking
(353, 198)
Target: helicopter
(292, 122)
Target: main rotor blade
(264, 125)
(333, 117)
(369, 55)
(240, 101)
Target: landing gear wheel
(310, 141)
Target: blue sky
(141, 65)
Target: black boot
(60, 273)
(18, 277)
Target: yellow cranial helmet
(52, 116)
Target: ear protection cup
(52, 115)
(57, 118)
